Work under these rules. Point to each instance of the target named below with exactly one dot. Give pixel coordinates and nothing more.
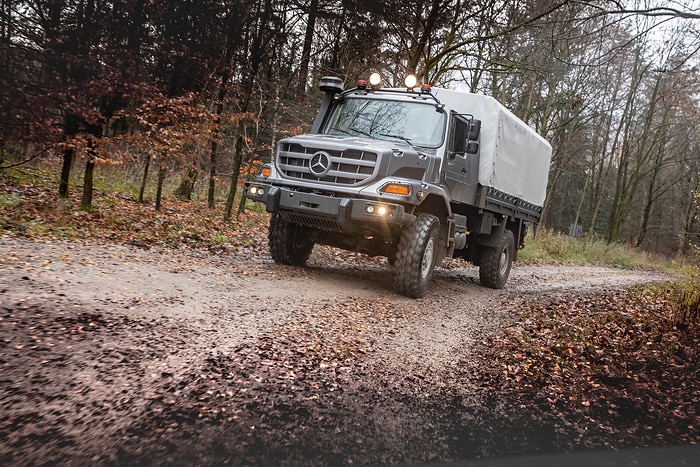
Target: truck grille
(348, 167)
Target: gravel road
(117, 353)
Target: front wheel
(415, 256)
(495, 264)
(289, 243)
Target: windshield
(415, 123)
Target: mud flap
(494, 238)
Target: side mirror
(474, 130)
(472, 147)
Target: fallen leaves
(119, 218)
(603, 366)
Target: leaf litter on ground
(609, 369)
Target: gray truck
(415, 174)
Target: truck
(416, 174)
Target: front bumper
(326, 212)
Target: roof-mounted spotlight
(375, 79)
(410, 81)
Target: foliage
(683, 295)
(553, 247)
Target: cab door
(462, 158)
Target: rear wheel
(495, 263)
(289, 243)
(415, 256)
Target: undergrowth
(29, 206)
(552, 247)
(683, 294)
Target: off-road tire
(415, 256)
(495, 263)
(289, 243)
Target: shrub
(552, 247)
(685, 296)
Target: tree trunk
(650, 199)
(142, 189)
(159, 191)
(237, 161)
(689, 217)
(241, 206)
(70, 130)
(65, 172)
(212, 168)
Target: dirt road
(116, 353)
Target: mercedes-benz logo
(320, 163)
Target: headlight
(256, 191)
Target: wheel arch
(436, 205)
(439, 207)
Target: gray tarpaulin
(514, 158)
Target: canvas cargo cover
(514, 159)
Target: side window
(460, 130)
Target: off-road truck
(415, 174)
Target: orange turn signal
(266, 172)
(396, 189)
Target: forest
(199, 91)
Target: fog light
(381, 210)
(369, 209)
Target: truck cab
(415, 174)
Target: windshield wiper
(403, 138)
(335, 128)
(349, 130)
